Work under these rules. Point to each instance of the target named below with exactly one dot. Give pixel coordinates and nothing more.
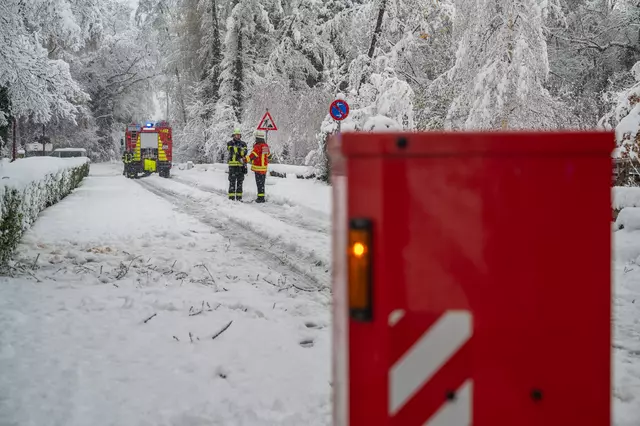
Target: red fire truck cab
(152, 148)
(466, 290)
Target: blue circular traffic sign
(339, 110)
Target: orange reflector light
(359, 261)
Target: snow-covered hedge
(28, 186)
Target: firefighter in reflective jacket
(259, 158)
(237, 150)
(127, 158)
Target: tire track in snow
(311, 271)
(312, 220)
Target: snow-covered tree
(501, 67)
(246, 46)
(38, 86)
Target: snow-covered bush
(28, 186)
(383, 103)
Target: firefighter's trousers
(236, 177)
(260, 180)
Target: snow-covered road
(74, 345)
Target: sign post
(339, 110)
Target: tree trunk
(376, 34)
(378, 29)
(238, 79)
(181, 98)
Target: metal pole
(14, 140)
(44, 151)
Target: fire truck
(464, 292)
(152, 148)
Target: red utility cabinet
(472, 279)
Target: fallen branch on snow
(222, 331)
(305, 289)
(147, 320)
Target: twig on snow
(222, 331)
(191, 337)
(176, 338)
(35, 262)
(267, 281)
(34, 276)
(198, 312)
(119, 277)
(304, 289)
(207, 269)
(147, 320)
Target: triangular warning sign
(267, 123)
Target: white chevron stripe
(432, 350)
(456, 412)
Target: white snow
(629, 219)
(627, 128)
(70, 150)
(380, 123)
(626, 334)
(625, 196)
(309, 196)
(24, 171)
(74, 347)
(287, 169)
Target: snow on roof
(21, 173)
(70, 149)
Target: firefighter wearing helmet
(127, 159)
(259, 158)
(237, 150)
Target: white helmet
(259, 134)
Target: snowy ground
(74, 345)
(626, 339)
(75, 348)
(306, 197)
